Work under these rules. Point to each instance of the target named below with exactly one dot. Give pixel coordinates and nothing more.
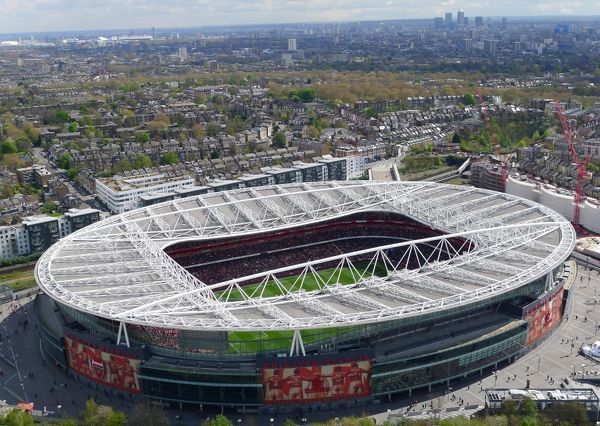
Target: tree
(142, 161)
(18, 417)
(468, 100)
(370, 112)
(142, 137)
(50, 207)
(73, 127)
(12, 162)
(214, 154)
(456, 138)
(8, 147)
(156, 127)
(62, 117)
(219, 420)
(198, 131)
(570, 414)
(102, 415)
(64, 161)
(122, 166)
(304, 95)
(279, 140)
(129, 119)
(144, 414)
(212, 129)
(6, 190)
(313, 132)
(169, 158)
(23, 144)
(72, 173)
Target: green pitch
(258, 341)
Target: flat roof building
(121, 194)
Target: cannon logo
(98, 369)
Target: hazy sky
(51, 15)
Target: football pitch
(258, 341)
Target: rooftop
(127, 183)
(117, 268)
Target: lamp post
(539, 362)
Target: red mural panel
(544, 317)
(316, 383)
(107, 368)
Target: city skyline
(66, 15)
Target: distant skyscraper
(479, 21)
(153, 33)
(438, 22)
(460, 18)
(448, 19)
(490, 46)
(183, 54)
(468, 44)
(292, 44)
(504, 22)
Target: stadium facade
(303, 296)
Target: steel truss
(493, 243)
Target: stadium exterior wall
(215, 383)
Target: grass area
(458, 181)
(255, 341)
(425, 174)
(311, 283)
(18, 280)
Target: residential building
(35, 174)
(355, 166)
(37, 233)
(336, 167)
(121, 194)
(14, 242)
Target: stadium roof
(117, 268)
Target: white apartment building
(355, 166)
(121, 194)
(14, 242)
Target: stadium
(303, 297)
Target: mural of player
(274, 386)
(294, 383)
(356, 379)
(319, 385)
(285, 385)
(338, 378)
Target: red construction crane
(581, 165)
(486, 117)
(495, 144)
